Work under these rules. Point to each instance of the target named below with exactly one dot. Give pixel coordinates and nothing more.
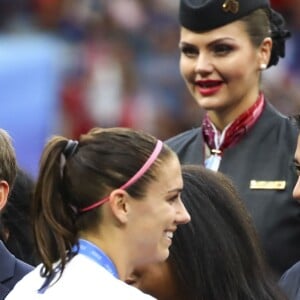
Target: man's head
(8, 166)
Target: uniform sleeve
(290, 282)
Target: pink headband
(133, 179)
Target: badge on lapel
(267, 185)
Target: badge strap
(96, 254)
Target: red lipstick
(208, 87)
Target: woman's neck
(221, 118)
(114, 249)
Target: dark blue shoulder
(183, 138)
(290, 282)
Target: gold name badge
(267, 185)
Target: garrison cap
(203, 15)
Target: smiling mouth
(208, 87)
(208, 83)
(169, 234)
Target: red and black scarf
(234, 131)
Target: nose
(203, 65)
(296, 191)
(182, 215)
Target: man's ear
(119, 203)
(4, 191)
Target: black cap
(202, 15)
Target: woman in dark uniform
(225, 45)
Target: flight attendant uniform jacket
(11, 271)
(290, 282)
(264, 154)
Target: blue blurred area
(29, 93)
(69, 65)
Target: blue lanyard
(90, 250)
(96, 254)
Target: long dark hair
(217, 255)
(71, 179)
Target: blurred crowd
(69, 65)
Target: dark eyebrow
(184, 44)
(220, 40)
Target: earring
(262, 67)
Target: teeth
(169, 234)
